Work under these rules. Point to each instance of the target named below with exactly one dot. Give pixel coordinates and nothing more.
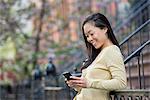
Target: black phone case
(67, 75)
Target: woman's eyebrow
(88, 31)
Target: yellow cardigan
(106, 73)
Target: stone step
(145, 51)
(135, 82)
(134, 64)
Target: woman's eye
(91, 34)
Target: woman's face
(96, 36)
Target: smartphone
(67, 75)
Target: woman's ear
(105, 29)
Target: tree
(12, 34)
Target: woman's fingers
(75, 78)
(76, 81)
(81, 85)
(81, 82)
(69, 83)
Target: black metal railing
(137, 52)
(35, 91)
(134, 8)
(135, 48)
(134, 20)
(131, 46)
(130, 95)
(137, 67)
(135, 39)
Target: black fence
(35, 91)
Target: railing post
(130, 82)
(143, 77)
(139, 70)
(130, 98)
(128, 50)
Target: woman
(104, 71)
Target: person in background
(104, 70)
(51, 69)
(51, 72)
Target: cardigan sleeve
(114, 62)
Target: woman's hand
(77, 82)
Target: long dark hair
(98, 20)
